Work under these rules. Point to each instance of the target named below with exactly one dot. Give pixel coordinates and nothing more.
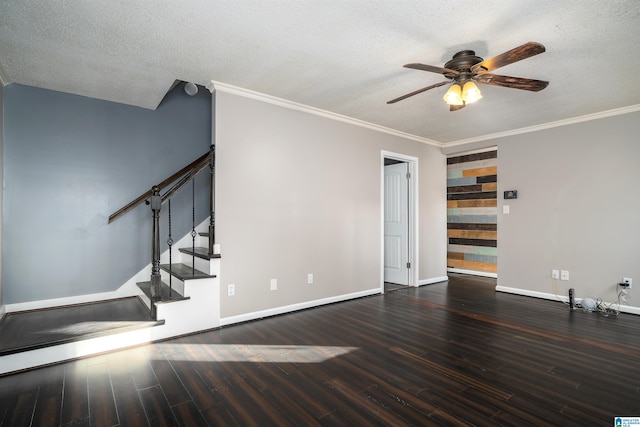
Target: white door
(396, 223)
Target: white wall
(1, 189)
(298, 193)
(577, 209)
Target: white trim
(58, 302)
(544, 126)
(560, 298)
(413, 217)
(432, 280)
(472, 272)
(214, 85)
(225, 321)
(3, 311)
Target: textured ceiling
(343, 56)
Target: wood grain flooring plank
(75, 403)
(360, 399)
(21, 412)
(169, 382)
(128, 403)
(388, 402)
(187, 414)
(291, 400)
(49, 402)
(219, 416)
(156, 407)
(194, 384)
(18, 397)
(102, 405)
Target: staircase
(182, 295)
(191, 305)
(189, 289)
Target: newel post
(156, 204)
(212, 183)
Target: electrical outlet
(628, 281)
(274, 284)
(555, 274)
(231, 290)
(310, 278)
(564, 274)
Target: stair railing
(155, 200)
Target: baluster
(212, 182)
(193, 226)
(170, 243)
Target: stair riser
(185, 242)
(208, 266)
(200, 264)
(176, 284)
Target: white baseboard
(58, 302)
(544, 295)
(3, 311)
(472, 272)
(225, 321)
(433, 280)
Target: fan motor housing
(463, 61)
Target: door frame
(412, 212)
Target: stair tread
(185, 272)
(166, 294)
(200, 252)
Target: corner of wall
(2, 307)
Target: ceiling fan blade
(415, 92)
(512, 82)
(432, 69)
(457, 107)
(519, 53)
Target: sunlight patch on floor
(251, 352)
(89, 327)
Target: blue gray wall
(69, 162)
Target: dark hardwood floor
(455, 353)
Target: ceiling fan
(465, 68)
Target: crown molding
(214, 85)
(224, 87)
(544, 126)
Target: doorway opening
(399, 221)
(472, 213)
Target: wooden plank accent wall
(472, 212)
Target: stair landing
(36, 329)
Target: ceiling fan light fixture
(454, 95)
(470, 92)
